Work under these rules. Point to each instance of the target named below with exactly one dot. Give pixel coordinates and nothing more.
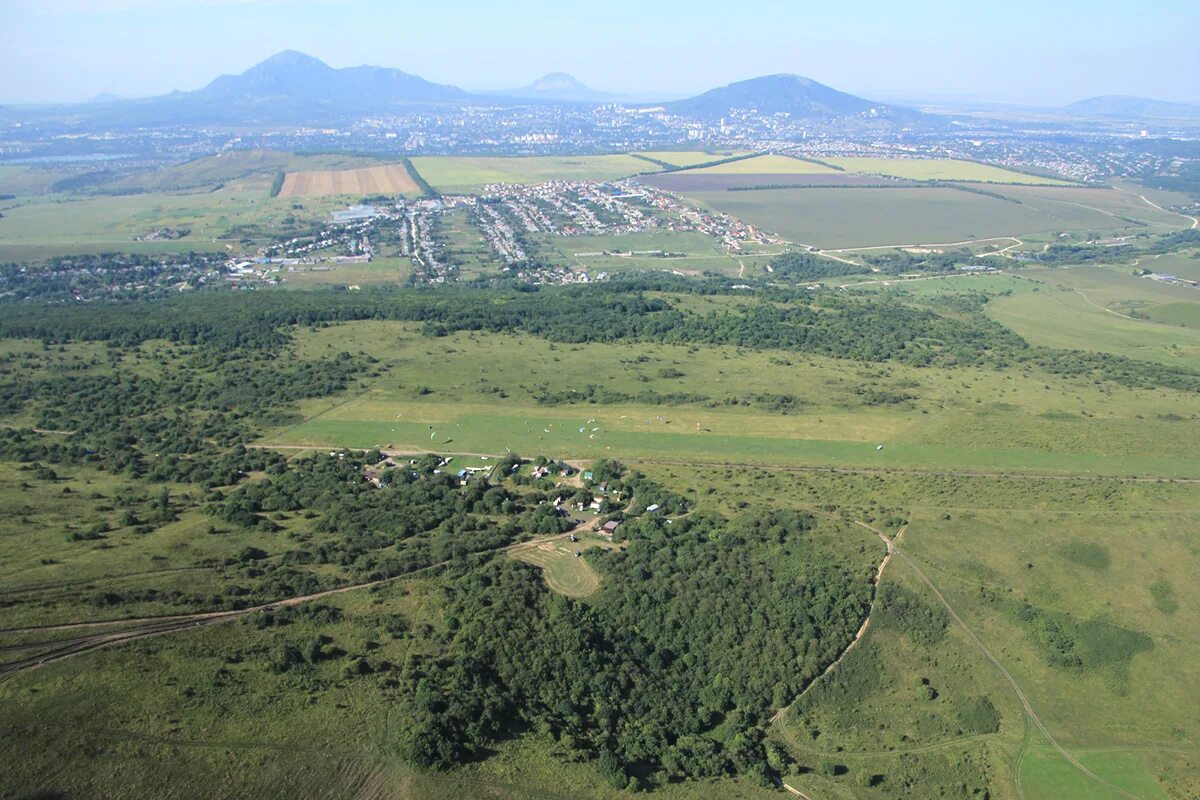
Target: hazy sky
(1037, 51)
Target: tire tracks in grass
(163, 625)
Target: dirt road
(145, 627)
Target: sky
(1043, 52)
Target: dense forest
(701, 628)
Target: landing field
(468, 175)
(680, 251)
(956, 420)
(929, 169)
(390, 179)
(565, 572)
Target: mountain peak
(783, 93)
(555, 81)
(291, 59)
(558, 86)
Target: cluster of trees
(186, 424)
(701, 627)
(899, 262)
(942, 332)
(807, 267)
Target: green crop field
(940, 169)
(1077, 207)
(765, 165)
(870, 217)
(469, 174)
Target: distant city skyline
(1017, 52)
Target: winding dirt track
(1030, 714)
(862, 629)
(135, 628)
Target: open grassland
(690, 158)
(1096, 649)
(469, 174)
(719, 408)
(389, 179)
(58, 224)
(1088, 308)
(381, 271)
(873, 217)
(940, 169)
(765, 165)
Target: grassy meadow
(1089, 308)
(961, 419)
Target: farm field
(928, 169)
(1077, 206)
(689, 158)
(765, 165)
(870, 217)
(390, 179)
(469, 174)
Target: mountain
(1115, 105)
(559, 86)
(786, 94)
(287, 88)
(293, 76)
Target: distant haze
(1021, 51)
